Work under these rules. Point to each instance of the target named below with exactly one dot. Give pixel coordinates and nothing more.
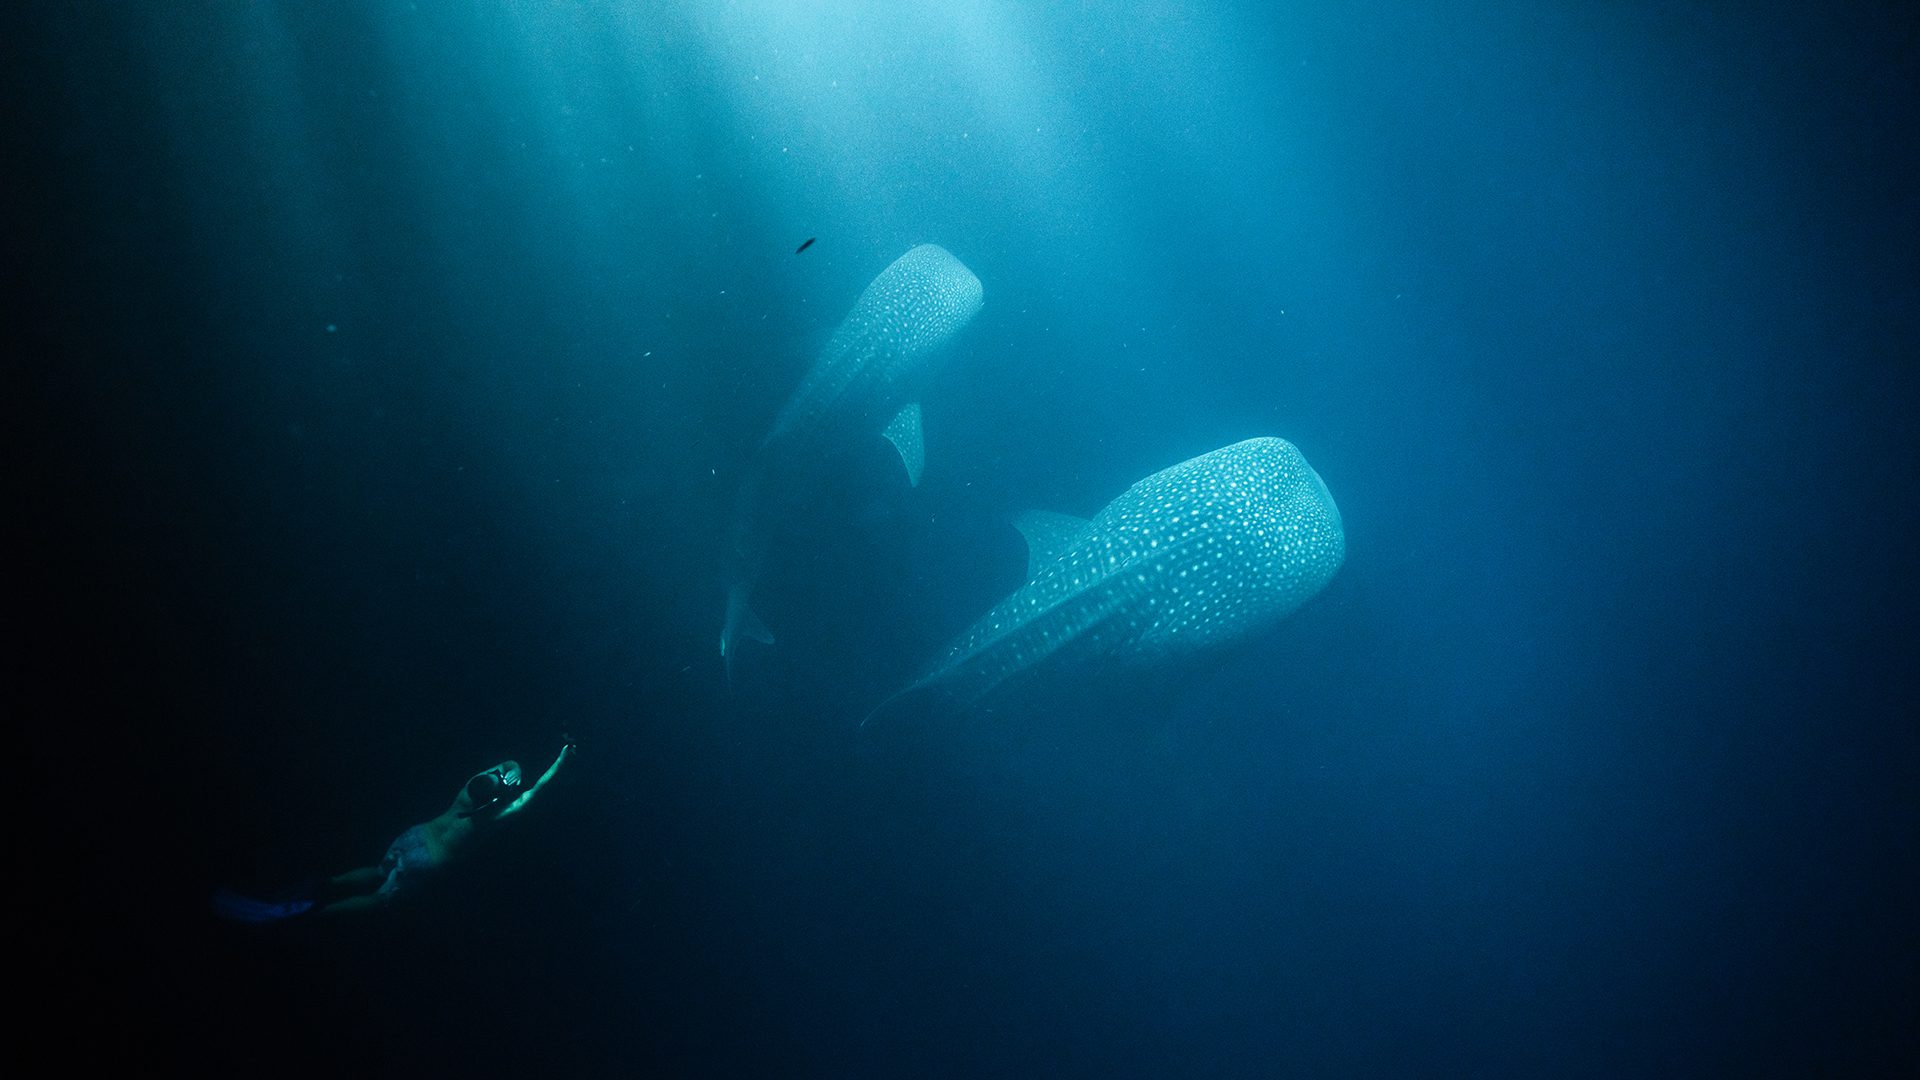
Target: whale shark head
(872, 364)
(1257, 532)
(915, 304)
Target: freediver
(417, 855)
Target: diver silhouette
(419, 854)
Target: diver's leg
(317, 897)
(354, 905)
(352, 883)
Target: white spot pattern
(1206, 551)
(869, 366)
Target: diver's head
(493, 788)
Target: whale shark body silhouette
(865, 381)
(1203, 553)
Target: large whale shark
(865, 381)
(1205, 552)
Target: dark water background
(389, 367)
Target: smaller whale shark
(1199, 554)
(865, 382)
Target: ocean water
(392, 369)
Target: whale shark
(1197, 555)
(865, 381)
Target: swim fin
(233, 907)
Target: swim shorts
(407, 858)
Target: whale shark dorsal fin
(904, 433)
(1048, 536)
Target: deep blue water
(394, 366)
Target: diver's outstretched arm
(553, 770)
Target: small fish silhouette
(804, 246)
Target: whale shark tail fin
(741, 623)
(922, 699)
(1064, 631)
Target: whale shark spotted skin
(1203, 553)
(864, 382)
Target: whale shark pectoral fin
(1048, 536)
(904, 433)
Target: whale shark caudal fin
(1048, 536)
(920, 696)
(741, 622)
(1064, 627)
(903, 431)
